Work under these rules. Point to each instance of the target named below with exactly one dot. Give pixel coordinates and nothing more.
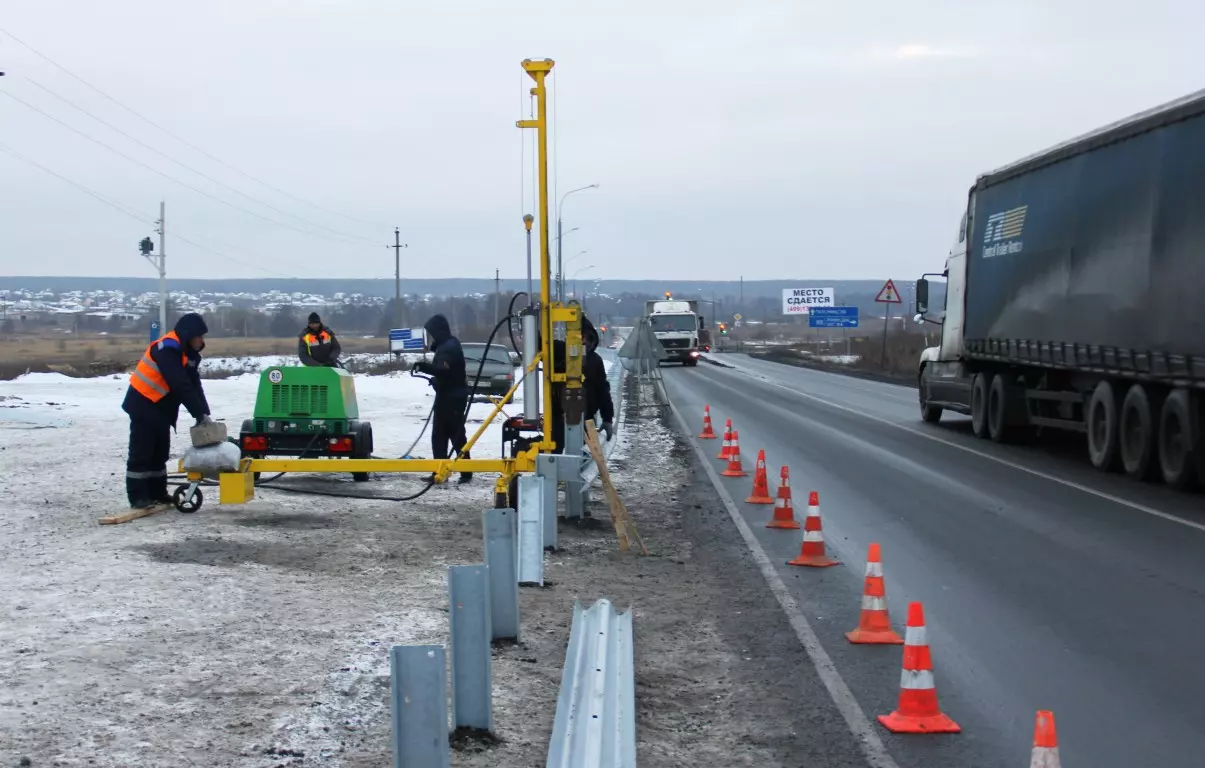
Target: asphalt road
(1046, 584)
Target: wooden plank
(133, 514)
(625, 529)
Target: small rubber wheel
(191, 505)
(360, 477)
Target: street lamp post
(575, 274)
(560, 272)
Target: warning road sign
(888, 294)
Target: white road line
(983, 454)
(859, 725)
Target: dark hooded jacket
(183, 380)
(598, 388)
(318, 354)
(447, 366)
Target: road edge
(860, 726)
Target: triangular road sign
(888, 294)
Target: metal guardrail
(595, 724)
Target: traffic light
(723, 329)
(668, 295)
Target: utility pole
(497, 293)
(397, 247)
(162, 267)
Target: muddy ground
(258, 636)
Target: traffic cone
(918, 711)
(761, 483)
(726, 447)
(811, 554)
(784, 510)
(734, 459)
(1045, 742)
(874, 627)
(708, 433)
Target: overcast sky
(770, 139)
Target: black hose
(481, 365)
(510, 328)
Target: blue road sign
(833, 317)
(155, 330)
(406, 340)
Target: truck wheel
(1137, 433)
(930, 414)
(998, 408)
(979, 392)
(1101, 421)
(1177, 442)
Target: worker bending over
(598, 388)
(317, 344)
(449, 377)
(165, 378)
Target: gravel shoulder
(257, 636)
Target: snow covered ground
(236, 636)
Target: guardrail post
(419, 692)
(501, 551)
(574, 442)
(531, 529)
(546, 467)
(469, 615)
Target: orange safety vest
(146, 379)
(311, 339)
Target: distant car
(498, 373)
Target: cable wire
(178, 138)
(189, 168)
(170, 178)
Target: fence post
(469, 615)
(531, 529)
(500, 554)
(419, 680)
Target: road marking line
(983, 454)
(859, 725)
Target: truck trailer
(1073, 298)
(677, 324)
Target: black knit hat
(314, 318)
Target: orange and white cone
(812, 554)
(874, 626)
(761, 483)
(734, 458)
(918, 711)
(708, 433)
(726, 446)
(784, 510)
(1045, 742)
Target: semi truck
(1074, 298)
(677, 324)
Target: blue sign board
(406, 340)
(155, 330)
(833, 317)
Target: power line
(178, 138)
(184, 184)
(143, 144)
(128, 212)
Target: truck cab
(941, 376)
(677, 325)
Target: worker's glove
(206, 419)
(608, 429)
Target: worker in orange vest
(317, 344)
(165, 378)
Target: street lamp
(560, 271)
(575, 274)
(567, 231)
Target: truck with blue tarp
(1074, 294)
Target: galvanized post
(501, 550)
(546, 467)
(574, 442)
(531, 529)
(469, 614)
(420, 706)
